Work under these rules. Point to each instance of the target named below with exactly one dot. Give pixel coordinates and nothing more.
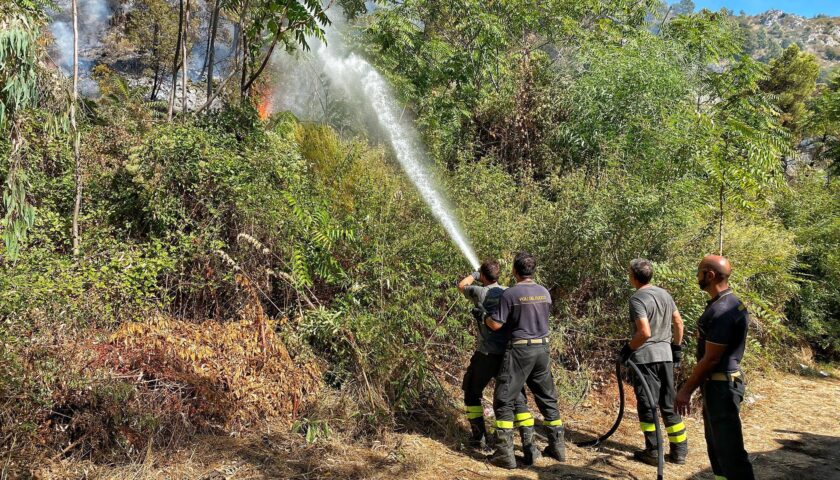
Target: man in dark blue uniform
(721, 338)
(487, 359)
(523, 312)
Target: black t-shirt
(524, 310)
(725, 321)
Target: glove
(677, 353)
(476, 275)
(625, 352)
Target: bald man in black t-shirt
(721, 338)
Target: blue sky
(806, 8)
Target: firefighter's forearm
(492, 324)
(642, 333)
(678, 330)
(465, 282)
(639, 339)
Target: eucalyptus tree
(19, 33)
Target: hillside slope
(767, 34)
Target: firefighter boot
(678, 453)
(649, 455)
(478, 433)
(556, 448)
(503, 456)
(532, 454)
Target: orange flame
(262, 100)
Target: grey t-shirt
(524, 310)
(655, 304)
(487, 299)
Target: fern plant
(319, 236)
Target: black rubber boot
(532, 454)
(678, 453)
(478, 433)
(556, 448)
(503, 456)
(649, 455)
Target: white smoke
(93, 19)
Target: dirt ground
(790, 424)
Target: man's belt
(724, 376)
(530, 341)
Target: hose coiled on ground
(660, 451)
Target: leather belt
(530, 341)
(724, 376)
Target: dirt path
(791, 429)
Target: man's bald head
(713, 273)
(716, 263)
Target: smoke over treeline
(108, 34)
(93, 22)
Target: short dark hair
(490, 269)
(642, 270)
(525, 264)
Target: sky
(806, 8)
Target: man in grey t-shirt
(487, 359)
(655, 348)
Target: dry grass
(787, 426)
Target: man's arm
(492, 324)
(497, 317)
(638, 314)
(713, 354)
(642, 333)
(467, 281)
(677, 330)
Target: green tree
(792, 80)
(152, 29)
(824, 123)
(745, 140)
(264, 24)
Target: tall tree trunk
(175, 61)
(720, 219)
(185, 56)
(155, 47)
(247, 86)
(244, 77)
(210, 27)
(77, 176)
(211, 46)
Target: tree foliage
(792, 80)
(588, 132)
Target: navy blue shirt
(524, 310)
(725, 322)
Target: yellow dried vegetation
(231, 374)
